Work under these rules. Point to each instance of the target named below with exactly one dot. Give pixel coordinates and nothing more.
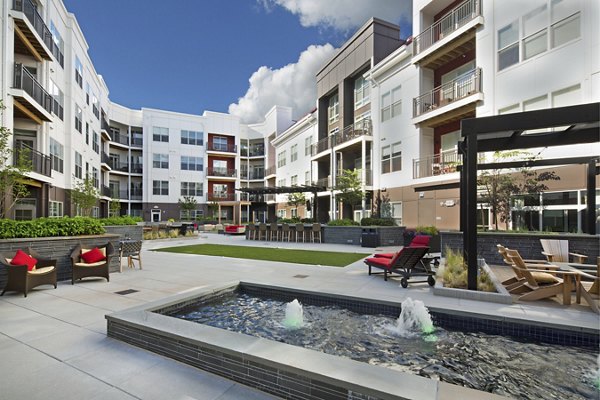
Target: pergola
(560, 127)
(314, 189)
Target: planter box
(501, 296)
(59, 248)
(386, 235)
(134, 232)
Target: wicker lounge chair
(81, 269)
(19, 279)
(407, 262)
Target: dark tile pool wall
(235, 367)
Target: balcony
(253, 151)
(38, 162)
(321, 145)
(252, 175)
(135, 194)
(271, 171)
(222, 172)
(455, 32)
(437, 164)
(121, 139)
(449, 96)
(31, 100)
(220, 147)
(356, 130)
(324, 182)
(31, 31)
(137, 142)
(104, 127)
(220, 196)
(136, 168)
(106, 191)
(105, 161)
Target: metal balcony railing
(122, 139)
(454, 19)
(271, 171)
(252, 175)
(358, 129)
(58, 55)
(270, 197)
(461, 87)
(30, 10)
(321, 145)
(324, 182)
(106, 191)
(437, 164)
(220, 196)
(57, 109)
(253, 151)
(26, 81)
(137, 142)
(104, 123)
(136, 168)
(223, 172)
(135, 194)
(124, 194)
(105, 158)
(256, 198)
(226, 148)
(38, 162)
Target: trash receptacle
(369, 238)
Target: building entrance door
(155, 215)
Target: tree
(114, 208)
(296, 199)
(187, 205)
(350, 186)
(85, 195)
(12, 175)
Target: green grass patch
(328, 258)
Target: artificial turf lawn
(328, 258)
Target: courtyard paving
(53, 344)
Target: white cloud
(293, 85)
(344, 15)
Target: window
(508, 46)
(78, 118)
(87, 133)
(160, 161)
(294, 180)
(95, 108)
(160, 188)
(396, 211)
(78, 72)
(281, 159)
(281, 213)
(190, 214)
(57, 154)
(307, 180)
(58, 99)
(220, 143)
(189, 163)
(281, 182)
(294, 153)
(87, 93)
(95, 177)
(566, 30)
(567, 96)
(294, 213)
(361, 92)
(333, 109)
(59, 44)
(95, 212)
(137, 137)
(160, 134)
(78, 166)
(192, 137)
(96, 143)
(307, 146)
(391, 158)
(191, 188)
(535, 32)
(55, 209)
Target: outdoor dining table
(582, 271)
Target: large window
(333, 109)
(307, 180)
(78, 166)
(96, 177)
(220, 143)
(294, 153)
(396, 212)
(58, 102)
(59, 45)
(189, 163)
(160, 134)
(192, 137)
(534, 31)
(281, 159)
(160, 161)
(361, 92)
(391, 104)
(307, 146)
(391, 158)
(281, 182)
(78, 119)
(191, 188)
(78, 72)
(508, 45)
(96, 143)
(57, 152)
(160, 188)
(294, 180)
(55, 209)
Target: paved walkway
(53, 343)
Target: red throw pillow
(93, 256)
(22, 258)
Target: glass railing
(457, 17)
(461, 87)
(26, 81)
(30, 10)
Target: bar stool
(274, 232)
(315, 233)
(251, 231)
(262, 231)
(286, 232)
(299, 232)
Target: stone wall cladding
(528, 245)
(388, 235)
(134, 232)
(59, 249)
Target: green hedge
(342, 222)
(377, 222)
(124, 220)
(50, 227)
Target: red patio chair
(407, 262)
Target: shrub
(124, 220)
(455, 273)
(294, 220)
(343, 222)
(378, 222)
(50, 227)
(427, 230)
(173, 233)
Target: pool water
(490, 363)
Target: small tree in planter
(187, 205)
(85, 195)
(349, 184)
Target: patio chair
(274, 231)
(132, 250)
(251, 231)
(300, 232)
(262, 231)
(286, 232)
(315, 233)
(557, 250)
(28, 271)
(408, 262)
(417, 241)
(91, 262)
(516, 284)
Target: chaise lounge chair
(84, 266)
(417, 241)
(29, 270)
(407, 262)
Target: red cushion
(379, 262)
(93, 256)
(420, 241)
(384, 255)
(22, 258)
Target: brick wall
(527, 244)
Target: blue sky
(195, 55)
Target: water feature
(294, 316)
(491, 363)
